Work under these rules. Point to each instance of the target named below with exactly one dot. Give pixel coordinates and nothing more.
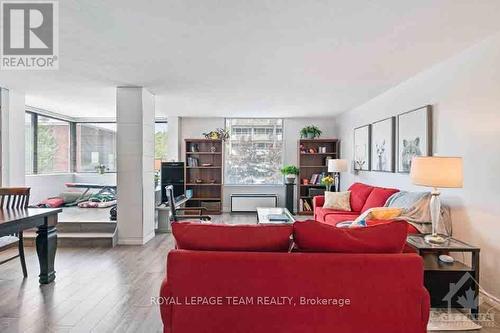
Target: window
(254, 151)
(29, 135)
(160, 144)
(95, 145)
(53, 145)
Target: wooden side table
(450, 285)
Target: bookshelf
(313, 160)
(203, 173)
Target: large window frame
(76, 150)
(32, 160)
(250, 133)
(34, 128)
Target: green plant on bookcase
(310, 132)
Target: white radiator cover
(250, 202)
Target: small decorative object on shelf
(213, 149)
(322, 149)
(101, 169)
(198, 181)
(327, 181)
(290, 172)
(310, 132)
(305, 181)
(218, 134)
(194, 148)
(206, 164)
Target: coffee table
(264, 212)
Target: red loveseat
(363, 197)
(255, 291)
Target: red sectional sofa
(262, 287)
(363, 197)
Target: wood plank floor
(96, 290)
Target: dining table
(15, 220)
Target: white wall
(12, 132)
(192, 127)
(465, 94)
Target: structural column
(174, 142)
(135, 165)
(12, 111)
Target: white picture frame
(414, 136)
(382, 145)
(361, 153)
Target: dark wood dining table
(45, 219)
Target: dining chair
(14, 198)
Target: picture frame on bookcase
(382, 145)
(414, 137)
(362, 148)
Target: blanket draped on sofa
(416, 211)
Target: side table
(450, 285)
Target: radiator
(250, 202)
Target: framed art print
(382, 139)
(414, 136)
(362, 148)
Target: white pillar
(173, 139)
(135, 165)
(12, 105)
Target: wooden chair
(173, 211)
(14, 198)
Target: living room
(238, 166)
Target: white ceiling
(248, 58)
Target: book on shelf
(192, 161)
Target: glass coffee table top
(271, 215)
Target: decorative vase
(290, 179)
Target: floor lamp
(436, 172)
(336, 166)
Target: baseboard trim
(136, 240)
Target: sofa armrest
(318, 201)
(165, 308)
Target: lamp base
(434, 239)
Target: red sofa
(363, 197)
(253, 290)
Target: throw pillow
(338, 200)
(321, 237)
(376, 213)
(226, 237)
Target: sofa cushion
(378, 197)
(334, 219)
(322, 237)
(225, 237)
(359, 194)
(338, 200)
(322, 213)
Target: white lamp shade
(337, 165)
(443, 172)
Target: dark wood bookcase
(203, 173)
(313, 161)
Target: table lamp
(436, 172)
(336, 166)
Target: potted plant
(290, 172)
(310, 132)
(327, 181)
(101, 169)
